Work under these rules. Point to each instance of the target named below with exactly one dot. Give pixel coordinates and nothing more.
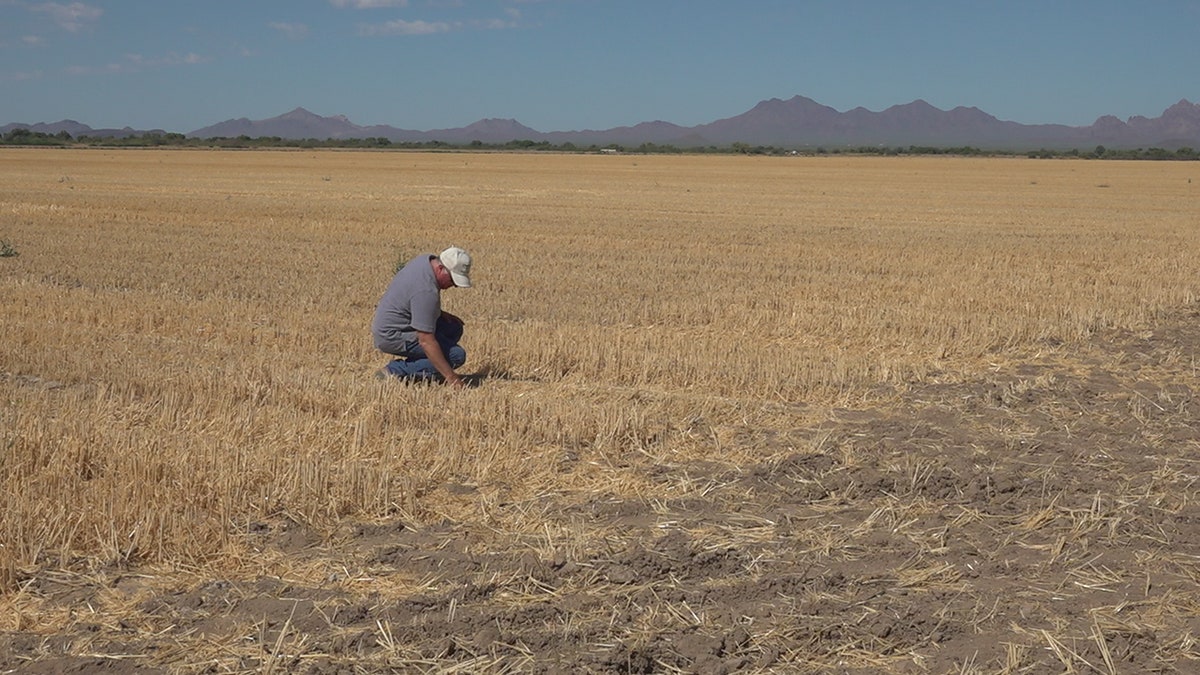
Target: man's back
(411, 303)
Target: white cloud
(293, 31)
(33, 40)
(73, 17)
(497, 24)
(172, 59)
(134, 63)
(401, 27)
(368, 4)
(106, 69)
(24, 76)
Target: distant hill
(77, 129)
(798, 122)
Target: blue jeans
(415, 365)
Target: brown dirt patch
(1040, 519)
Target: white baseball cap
(458, 262)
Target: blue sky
(558, 65)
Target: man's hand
(433, 351)
(456, 383)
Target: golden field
(185, 355)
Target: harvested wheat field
(824, 414)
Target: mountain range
(797, 122)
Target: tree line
(27, 137)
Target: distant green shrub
(7, 251)
(401, 261)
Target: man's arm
(433, 351)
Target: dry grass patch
(740, 413)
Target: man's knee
(447, 330)
(457, 356)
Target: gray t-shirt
(412, 302)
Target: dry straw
(184, 349)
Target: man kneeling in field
(410, 324)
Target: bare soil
(1042, 518)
